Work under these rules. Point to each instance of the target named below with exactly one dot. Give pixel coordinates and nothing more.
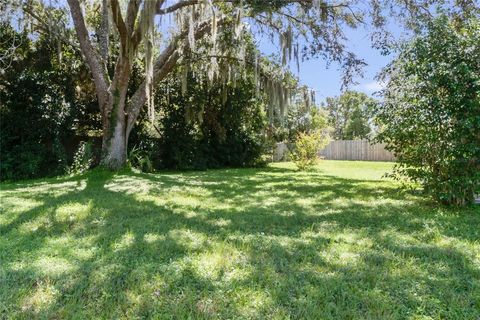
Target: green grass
(338, 242)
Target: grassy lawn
(335, 243)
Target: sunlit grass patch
(16, 204)
(73, 212)
(53, 266)
(42, 296)
(337, 242)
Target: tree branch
(104, 31)
(138, 32)
(121, 27)
(100, 76)
(179, 5)
(165, 63)
(186, 3)
(132, 12)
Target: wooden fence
(356, 150)
(344, 150)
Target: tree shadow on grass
(255, 243)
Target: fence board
(343, 150)
(356, 150)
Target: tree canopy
(350, 115)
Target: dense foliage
(43, 117)
(49, 112)
(119, 33)
(204, 129)
(431, 111)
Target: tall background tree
(350, 115)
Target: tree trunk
(115, 136)
(114, 142)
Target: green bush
(140, 158)
(199, 130)
(431, 111)
(306, 148)
(34, 120)
(45, 103)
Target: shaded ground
(335, 243)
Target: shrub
(34, 119)
(201, 130)
(305, 150)
(431, 111)
(22, 161)
(140, 159)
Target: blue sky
(327, 81)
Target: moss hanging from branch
(191, 29)
(216, 50)
(148, 25)
(184, 79)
